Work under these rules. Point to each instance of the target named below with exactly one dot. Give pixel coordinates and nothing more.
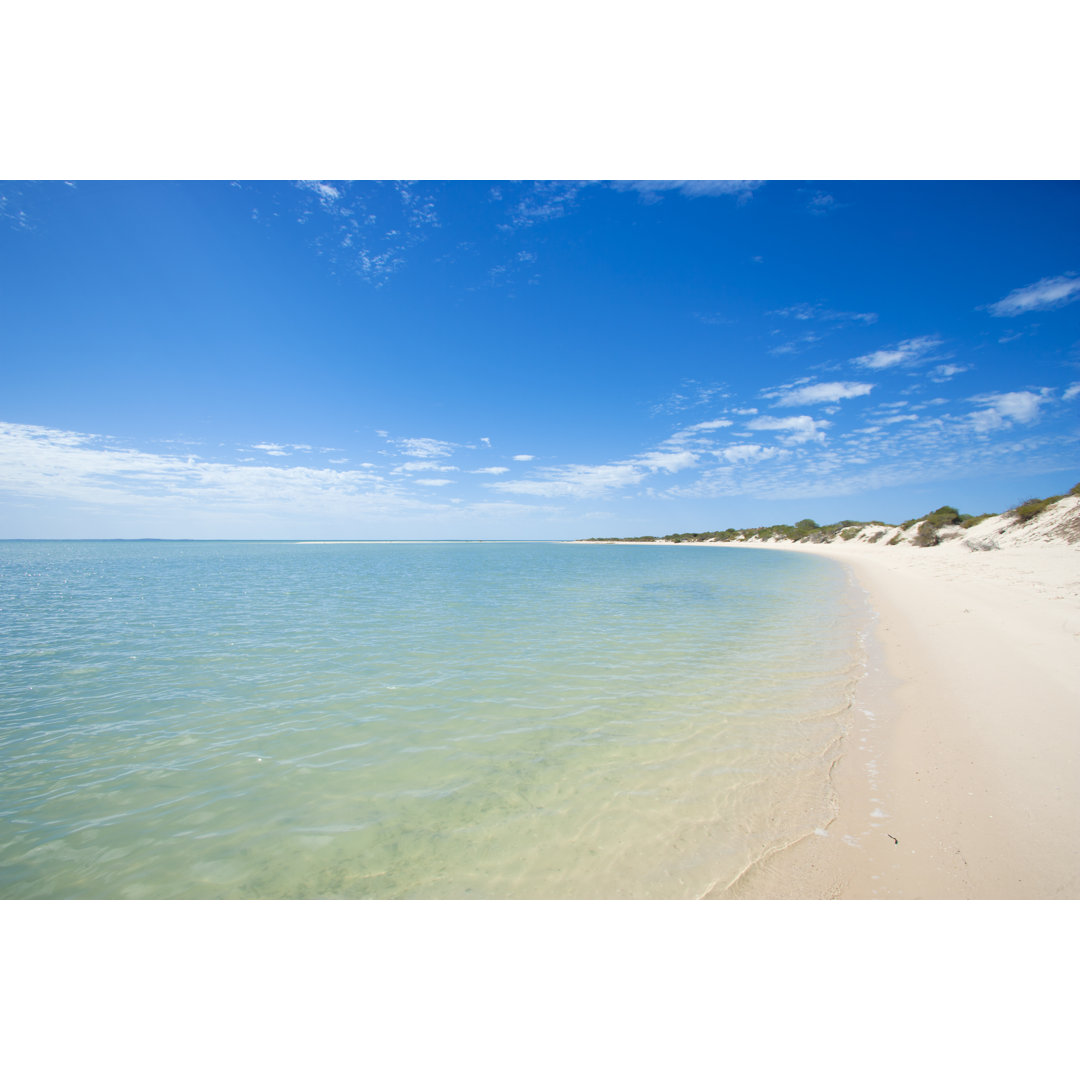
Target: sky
(530, 360)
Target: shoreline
(958, 775)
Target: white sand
(965, 737)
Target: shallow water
(199, 719)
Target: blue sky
(530, 360)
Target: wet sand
(961, 768)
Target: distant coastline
(1055, 518)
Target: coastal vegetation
(929, 530)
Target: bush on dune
(1032, 508)
(808, 531)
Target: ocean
(495, 720)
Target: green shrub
(895, 540)
(847, 534)
(1031, 508)
(927, 536)
(970, 520)
(944, 515)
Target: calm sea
(412, 720)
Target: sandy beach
(959, 775)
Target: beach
(958, 778)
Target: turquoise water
(413, 720)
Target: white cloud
(821, 202)
(800, 429)
(796, 344)
(817, 393)
(747, 453)
(583, 481)
(432, 482)
(578, 481)
(708, 425)
(424, 448)
(1049, 292)
(366, 228)
(696, 432)
(912, 351)
(691, 394)
(418, 209)
(944, 372)
(1071, 392)
(693, 188)
(425, 466)
(1002, 410)
(804, 312)
(492, 470)
(327, 193)
(273, 449)
(545, 201)
(659, 460)
(523, 457)
(89, 470)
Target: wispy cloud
(796, 429)
(1071, 392)
(795, 344)
(817, 393)
(575, 481)
(423, 448)
(544, 201)
(424, 466)
(491, 470)
(913, 351)
(91, 470)
(690, 395)
(584, 481)
(696, 429)
(826, 321)
(1042, 295)
(11, 210)
(945, 372)
(747, 453)
(281, 449)
(806, 312)
(742, 189)
(367, 229)
(523, 457)
(418, 207)
(821, 203)
(326, 193)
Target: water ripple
(240, 720)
